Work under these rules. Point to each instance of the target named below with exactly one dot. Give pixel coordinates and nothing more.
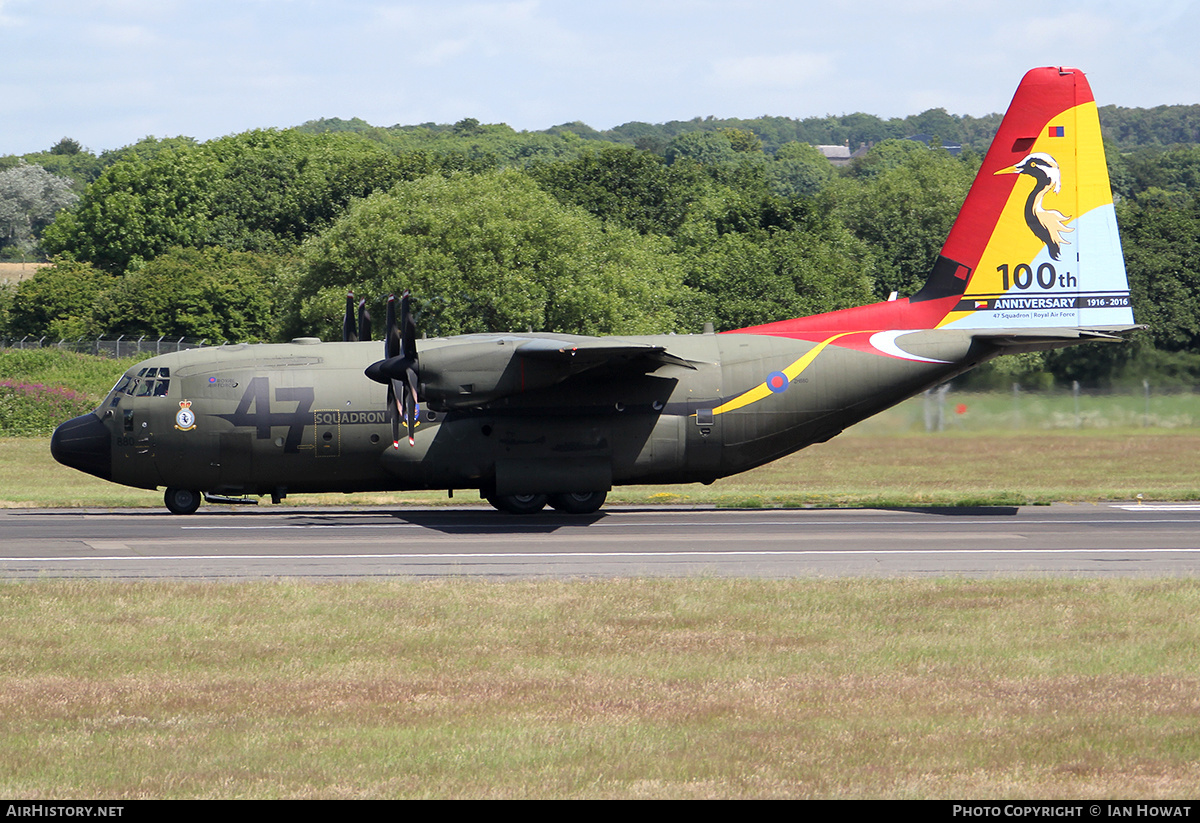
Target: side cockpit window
(120, 389)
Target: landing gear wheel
(182, 501)
(578, 502)
(518, 503)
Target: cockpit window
(118, 391)
(150, 382)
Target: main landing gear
(569, 503)
(578, 502)
(187, 501)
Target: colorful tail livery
(1035, 246)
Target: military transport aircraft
(1032, 262)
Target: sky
(109, 72)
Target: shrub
(34, 409)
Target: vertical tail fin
(1036, 242)
(1035, 245)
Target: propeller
(398, 368)
(350, 332)
(364, 321)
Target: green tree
(486, 252)
(57, 301)
(709, 148)
(1161, 241)
(198, 293)
(137, 210)
(67, 146)
(799, 170)
(749, 279)
(936, 123)
(626, 185)
(260, 191)
(887, 155)
(904, 212)
(742, 140)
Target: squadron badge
(185, 418)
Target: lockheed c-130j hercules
(1033, 262)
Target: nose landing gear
(182, 501)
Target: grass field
(613, 689)
(697, 688)
(1051, 410)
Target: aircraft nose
(83, 443)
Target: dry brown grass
(634, 688)
(16, 272)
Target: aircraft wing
(480, 369)
(589, 353)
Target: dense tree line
(1127, 129)
(258, 236)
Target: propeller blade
(394, 411)
(410, 402)
(391, 340)
(364, 321)
(348, 335)
(408, 327)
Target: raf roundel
(777, 382)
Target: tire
(578, 502)
(518, 503)
(182, 501)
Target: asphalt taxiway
(232, 544)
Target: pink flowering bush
(34, 409)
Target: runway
(238, 544)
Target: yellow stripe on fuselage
(762, 391)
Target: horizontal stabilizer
(1038, 339)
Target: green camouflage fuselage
(301, 417)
